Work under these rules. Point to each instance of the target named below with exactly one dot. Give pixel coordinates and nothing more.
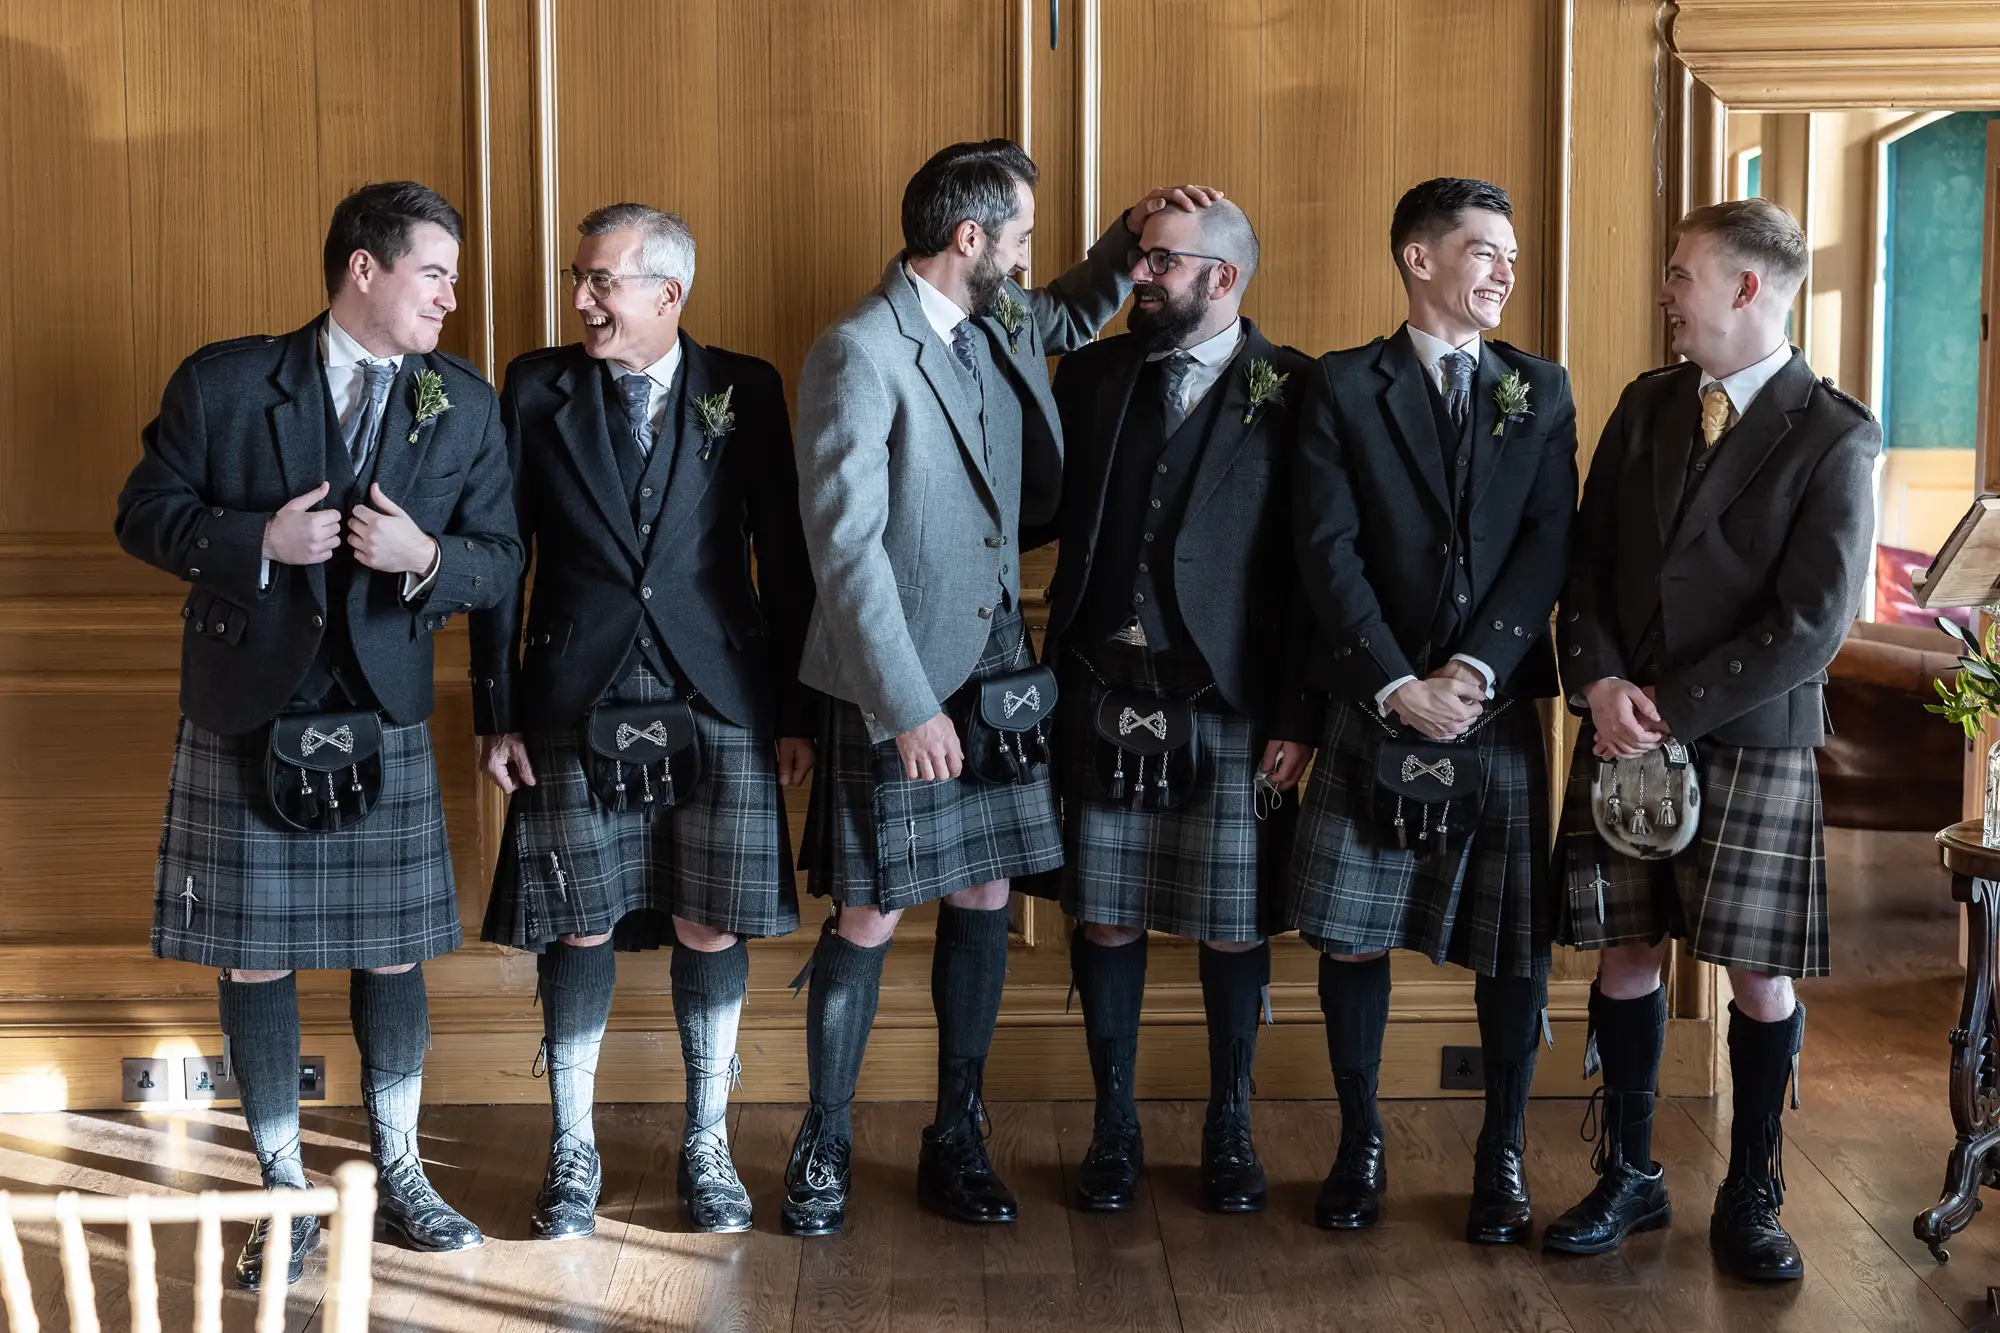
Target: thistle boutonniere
(1512, 399)
(1013, 317)
(1266, 386)
(713, 414)
(431, 401)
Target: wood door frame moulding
(1823, 55)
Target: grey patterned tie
(366, 422)
(1457, 368)
(1177, 368)
(638, 393)
(961, 345)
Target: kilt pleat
(877, 837)
(1749, 891)
(236, 889)
(720, 858)
(1482, 904)
(1198, 871)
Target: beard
(983, 284)
(1176, 318)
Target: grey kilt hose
(720, 858)
(1483, 904)
(236, 889)
(1198, 871)
(1749, 892)
(875, 836)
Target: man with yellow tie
(1719, 557)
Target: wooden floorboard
(1864, 1153)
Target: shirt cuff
(414, 587)
(1478, 666)
(1382, 695)
(263, 574)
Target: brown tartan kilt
(1748, 892)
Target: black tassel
(620, 789)
(646, 783)
(667, 778)
(1118, 778)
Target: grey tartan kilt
(237, 889)
(1198, 871)
(720, 858)
(1483, 904)
(1749, 891)
(875, 836)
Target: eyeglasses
(602, 283)
(1159, 260)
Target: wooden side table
(1975, 1043)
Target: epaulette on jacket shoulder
(463, 365)
(230, 345)
(1658, 371)
(1841, 395)
(1506, 346)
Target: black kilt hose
(1484, 904)
(1207, 870)
(1748, 892)
(877, 837)
(720, 858)
(236, 889)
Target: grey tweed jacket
(908, 531)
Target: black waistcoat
(646, 479)
(1145, 499)
(1454, 609)
(335, 679)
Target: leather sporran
(642, 756)
(1428, 793)
(1003, 724)
(1648, 807)
(323, 771)
(1146, 752)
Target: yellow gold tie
(1715, 411)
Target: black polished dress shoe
(1500, 1212)
(250, 1263)
(408, 1206)
(1232, 1179)
(1350, 1198)
(955, 1177)
(1747, 1237)
(706, 1180)
(566, 1207)
(1107, 1180)
(1625, 1200)
(816, 1180)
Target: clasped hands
(384, 538)
(1444, 704)
(1625, 717)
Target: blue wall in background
(1931, 336)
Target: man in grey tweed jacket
(927, 437)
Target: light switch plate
(145, 1079)
(312, 1078)
(1462, 1069)
(205, 1081)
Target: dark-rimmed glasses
(1159, 259)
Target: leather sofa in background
(1889, 764)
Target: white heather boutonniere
(1013, 317)
(431, 401)
(713, 415)
(1266, 386)
(1511, 397)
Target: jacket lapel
(1486, 446)
(299, 424)
(398, 460)
(940, 367)
(1738, 456)
(1673, 439)
(1406, 403)
(586, 433)
(1114, 400)
(692, 473)
(1229, 433)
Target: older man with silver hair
(647, 718)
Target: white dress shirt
(1744, 385)
(661, 373)
(342, 359)
(1211, 356)
(1431, 352)
(944, 314)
